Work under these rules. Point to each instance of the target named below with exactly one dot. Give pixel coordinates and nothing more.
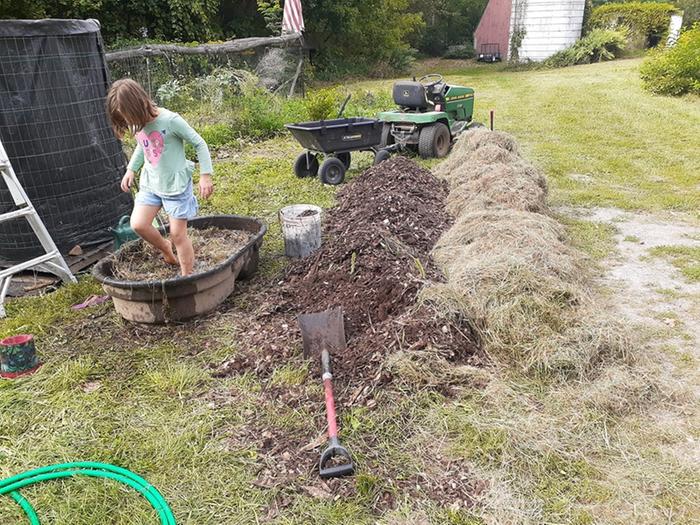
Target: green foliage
(516, 40)
(365, 37)
(675, 71)
(647, 22)
(180, 20)
(228, 106)
(691, 11)
(217, 135)
(596, 46)
(460, 51)
(322, 104)
(271, 11)
(21, 9)
(447, 23)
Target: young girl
(166, 177)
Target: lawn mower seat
(409, 94)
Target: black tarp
(53, 82)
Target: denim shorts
(182, 206)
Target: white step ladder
(52, 261)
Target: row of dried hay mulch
(510, 268)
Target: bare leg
(142, 223)
(185, 251)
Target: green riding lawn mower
(431, 113)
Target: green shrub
(596, 46)
(322, 104)
(675, 71)
(691, 11)
(217, 135)
(647, 22)
(460, 52)
(229, 104)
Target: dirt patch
(139, 261)
(308, 213)
(649, 290)
(374, 260)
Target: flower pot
(18, 356)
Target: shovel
(324, 333)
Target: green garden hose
(11, 486)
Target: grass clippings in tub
(139, 261)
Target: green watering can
(123, 233)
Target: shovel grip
(330, 409)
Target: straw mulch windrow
(509, 267)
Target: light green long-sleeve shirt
(161, 153)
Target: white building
(535, 29)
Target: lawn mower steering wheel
(430, 76)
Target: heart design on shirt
(152, 146)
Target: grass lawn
(145, 399)
(601, 140)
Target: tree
(362, 36)
(447, 22)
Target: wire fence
(278, 66)
(53, 125)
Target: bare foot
(186, 270)
(169, 255)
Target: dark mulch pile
(374, 259)
(375, 252)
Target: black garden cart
(335, 139)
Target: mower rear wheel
(306, 165)
(434, 141)
(332, 171)
(345, 158)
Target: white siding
(550, 26)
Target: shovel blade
(322, 330)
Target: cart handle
(345, 103)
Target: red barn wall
(494, 26)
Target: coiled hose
(11, 486)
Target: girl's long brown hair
(129, 107)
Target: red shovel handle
(330, 408)
(328, 388)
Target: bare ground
(653, 294)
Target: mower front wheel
(387, 137)
(434, 141)
(332, 171)
(306, 165)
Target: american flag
(293, 19)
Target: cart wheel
(434, 141)
(306, 165)
(381, 156)
(345, 158)
(332, 171)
